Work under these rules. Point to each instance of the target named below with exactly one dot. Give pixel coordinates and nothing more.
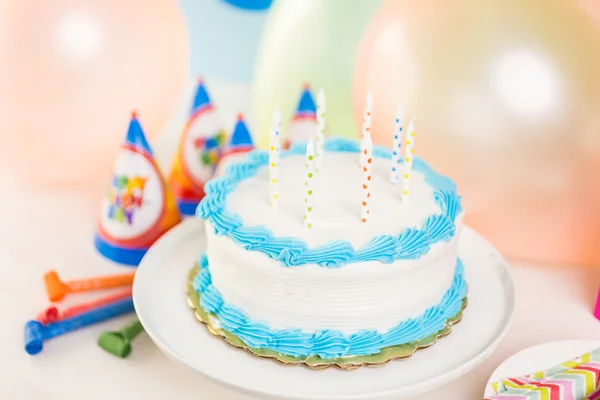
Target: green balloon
(314, 42)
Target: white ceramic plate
(539, 358)
(160, 302)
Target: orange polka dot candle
(366, 149)
(308, 184)
(408, 159)
(368, 119)
(274, 157)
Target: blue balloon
(251, 4)
(224, 36)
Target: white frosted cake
(341, 292)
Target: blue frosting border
(412, 243)
(327, 344)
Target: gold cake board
(315, 362)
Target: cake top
(237, 205)
(337, 195)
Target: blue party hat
(240, 140)
(201, 99)
(306, 105)
(135, 135)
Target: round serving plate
(160, 301)
(539, 358)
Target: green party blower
(118, 343)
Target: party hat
(304, 122)
(138, 206)
(201, 98)
(199, 152)
(240, 140)
(306, 106)
(240, 143)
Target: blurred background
(506, 92)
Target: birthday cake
(335, 261)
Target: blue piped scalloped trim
(327, 343)
(412, 243)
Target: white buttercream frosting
(336, 201)
(359, 296)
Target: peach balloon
(592, 7)
(71, 73)
(507, 98)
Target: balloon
(224, 37)
(73, 70)
(315, 42)
(251, 4)
(506, 96)
(592, 7)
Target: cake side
(325, 344)
(369, 295)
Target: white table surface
(52, 228)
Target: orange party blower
(54, 314)
(57, 289)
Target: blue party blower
(36, 333)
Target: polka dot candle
(308, 184)
(396, 157)
(408, 159)
(274, 155)
(368, 118)
(320, 142)
(366, 149)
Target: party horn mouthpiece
(55, 289)
(51, 314)
(118, 343)
(115, 344)
(34, 337)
